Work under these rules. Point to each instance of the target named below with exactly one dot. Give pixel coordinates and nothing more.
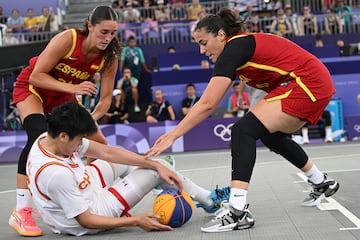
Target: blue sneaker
(171, 160)
(218, 195)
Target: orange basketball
(173, 207)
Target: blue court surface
(276, 191)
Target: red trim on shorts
(122, 201)
(99, 173)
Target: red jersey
(281, 68)
(283, 63)
(72, 69)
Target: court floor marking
(332, 204)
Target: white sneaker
(137, 109)
(328, 139)
(229, 219)
(305, 141)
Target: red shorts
(296, 102)
(49, 99)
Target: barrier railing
(150, 32)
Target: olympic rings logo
(357, 128)
(223, 132)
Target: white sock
(328, 133)
(23, 198)
(238, 198)
(314, 175)
(305, 133)
(196, 192)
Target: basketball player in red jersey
(298, 87)
(57, 75)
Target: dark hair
(131, 38)
(190, 85)
(225, 20)
(236, 84)
(97, 15)
(72, 119)
(171, 47)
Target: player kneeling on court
(76, 199)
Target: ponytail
(225, 20)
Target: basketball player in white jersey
(76, 199)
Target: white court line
(7, 191)
(332, 204)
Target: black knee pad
(282, 144)
(34, 125)
(249, 125)
(244, 134)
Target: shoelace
(29, 220)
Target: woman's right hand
(161, 144)
(150, 222)
(85, 88)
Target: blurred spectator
(128, 84)
(116, 7)
(162, 12)
(194, 9)
(358, 99)
(147, 12)
(204, 64)
(318, 41)
(210, 7)
(327, 4)
(200, 16)
(9, 38)
(340, 43)
(307, 24)
(345, 13)
(31, 21)
(246, 15)
(45, 19)
(332, 22)
(190, 100)
(251, 19)
(238, 104)
(177, 1)
(132, 57)
(253, 23)
(118, 112)
(178, 11)
(281, 25)
(326, 118)
(133, 3)
(292, 18)
(274, 5)
(171, 50)
(131, 14)
(160, 109)
(15, 21)
(3, 18)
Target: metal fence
(178, 31)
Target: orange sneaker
(23, 222)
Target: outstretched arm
(213, 94)
(146, 221)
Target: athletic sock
(238, 198)
(23, 198)
(305, 133)
(196, 192)
(314, 175)
(328, 133)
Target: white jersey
(63, 188)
